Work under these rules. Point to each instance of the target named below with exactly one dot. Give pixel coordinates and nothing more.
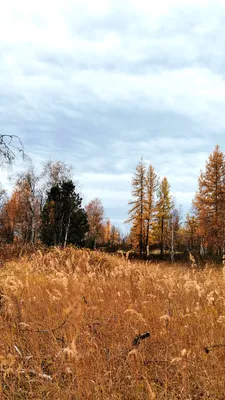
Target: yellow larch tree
(209, 203)
(151, 182)
(107, 231)
(137, 210)
(163, 214)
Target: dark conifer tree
(64, 221)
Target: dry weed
(73, 322)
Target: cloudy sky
(100, 84)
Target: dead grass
(71, 323)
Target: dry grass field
(74, 326)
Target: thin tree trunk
(33, 220)
(67, 231)
(202, 251)
(172, 243)
(162, 237)
(141, 215)
(68, 228)
(147, 237)
(61, 229)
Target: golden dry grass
(68, 320)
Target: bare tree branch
(10, 145)
(214, 346)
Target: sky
(100, 84)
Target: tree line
(153, 216)
(48, 207)
(157, 223)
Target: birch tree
(95, 214)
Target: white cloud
(100, 84)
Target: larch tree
(191, 232)
(115, 236)
(107, 232)
(151, 182)
(163, 213)
(173, 239)
(209, 203)
(137, 210)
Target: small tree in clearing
(95, 214)
(164, 208)
(137, 210)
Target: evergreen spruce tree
(64, 221)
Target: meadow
(77, 324)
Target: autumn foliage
(48, 208)
(81, 324)
(151, 210)
(209, 204)
(156, 221)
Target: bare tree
(10, 145)
(95, 213)
(53, 173)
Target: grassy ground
(71, 320)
